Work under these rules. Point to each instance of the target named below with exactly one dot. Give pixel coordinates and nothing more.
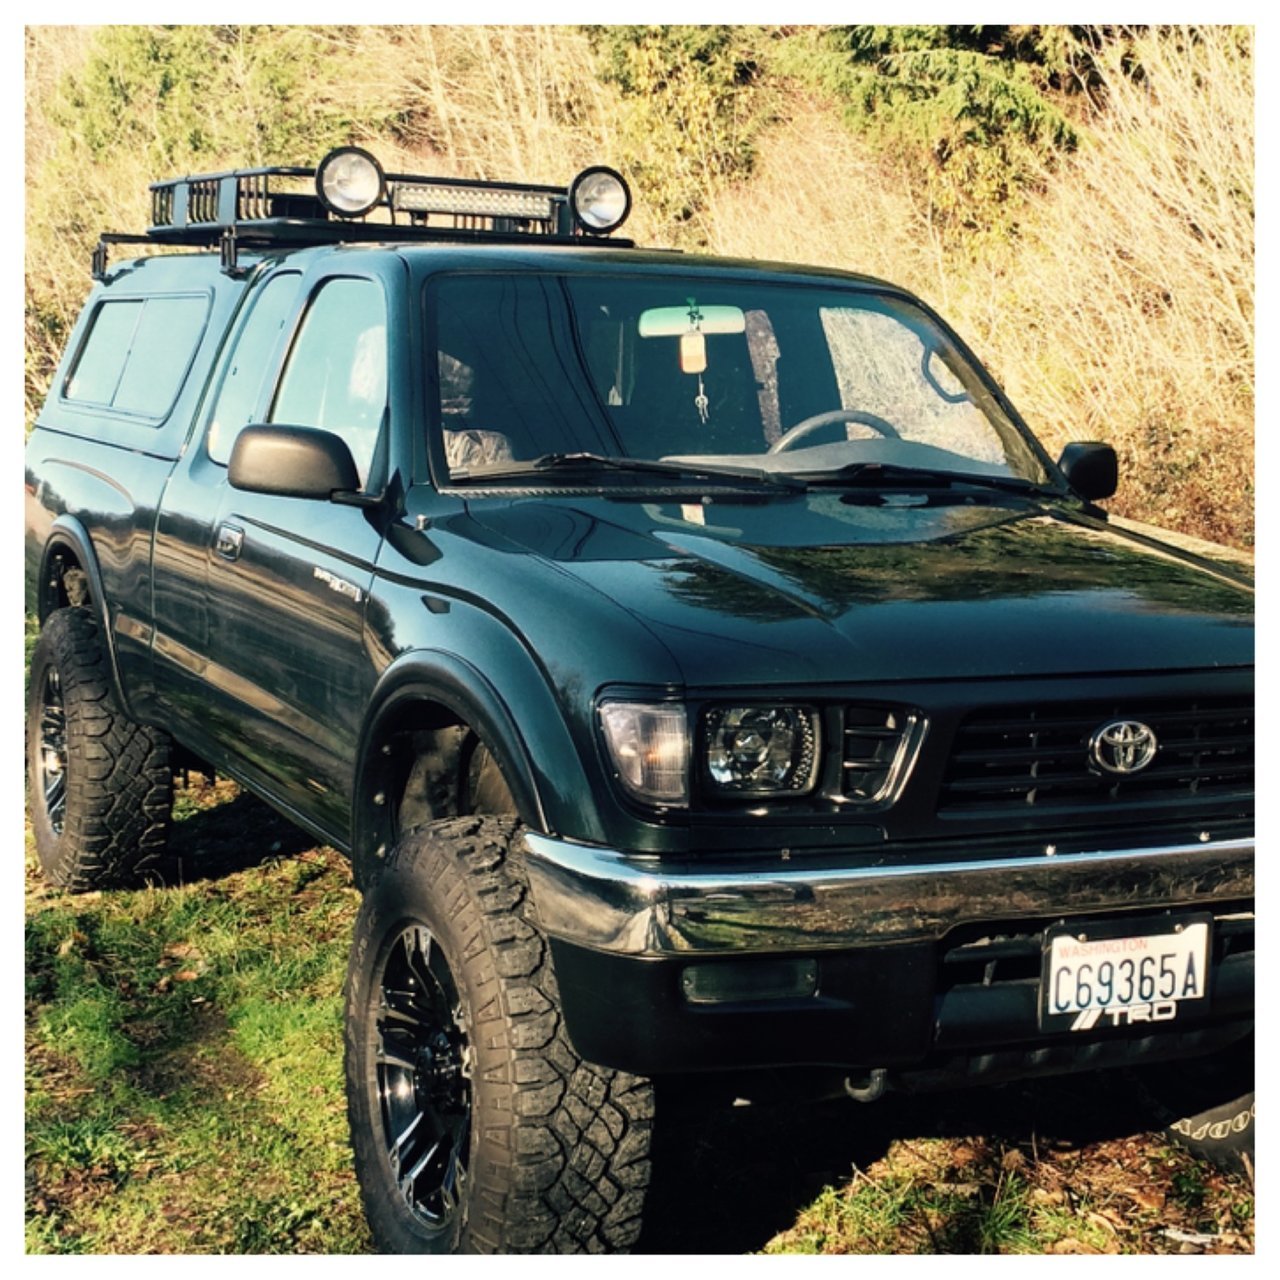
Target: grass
(184, 1051)
(184, 1095)
(986, 1196)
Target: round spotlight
(350, 182)
(600, 200)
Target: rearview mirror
(671, 322)
(1091, 469)
(292, 462)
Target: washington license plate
(1122, 974)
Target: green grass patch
(979, 1196)
(900, 1212)
(89, 1141)
(184, 1082)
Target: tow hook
(870, 1089)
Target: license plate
(1122, 974)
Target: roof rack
(348, 198)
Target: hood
(838, 587)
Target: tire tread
(119, 780)
(566, 1142)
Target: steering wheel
(819, 420)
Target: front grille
(878, 746)
(1015, 758)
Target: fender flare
(69, 533)
(438, 676)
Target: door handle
(229, 541)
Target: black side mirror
(293, 462)
(1091, 469)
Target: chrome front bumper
(639, 905)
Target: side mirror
(293, 462)
(1091, 469)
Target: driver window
(336, 374)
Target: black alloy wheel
(52, 767)
(423, 1077)
(475, 1126)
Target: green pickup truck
(702, 664)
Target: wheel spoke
(412, 1176)
(55, 796)
(399, 1005)
(418, 949)
(407, 1033)
(447, 1202)
(393, 1059)
(407, 1134)
(454, 1177)
(442, 980)
(53, 751)
(423, 962)
(423, 1060)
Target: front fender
(520, 724)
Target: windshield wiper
(587, 462)
(893, 475)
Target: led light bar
(489, 202)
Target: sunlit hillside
(1078, 202)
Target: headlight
(649, 746)
(761, 751)
(350, 182)
(600, 200)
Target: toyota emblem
(1123, 746)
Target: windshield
(790, 379)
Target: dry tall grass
(495, 102)
(1133, 301)
(1125, 310)
(51, 52)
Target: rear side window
(136, 354)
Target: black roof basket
(279, 206)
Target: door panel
(287, 665)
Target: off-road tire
(114, 823)
(558, 1157)
(1207, 1105)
